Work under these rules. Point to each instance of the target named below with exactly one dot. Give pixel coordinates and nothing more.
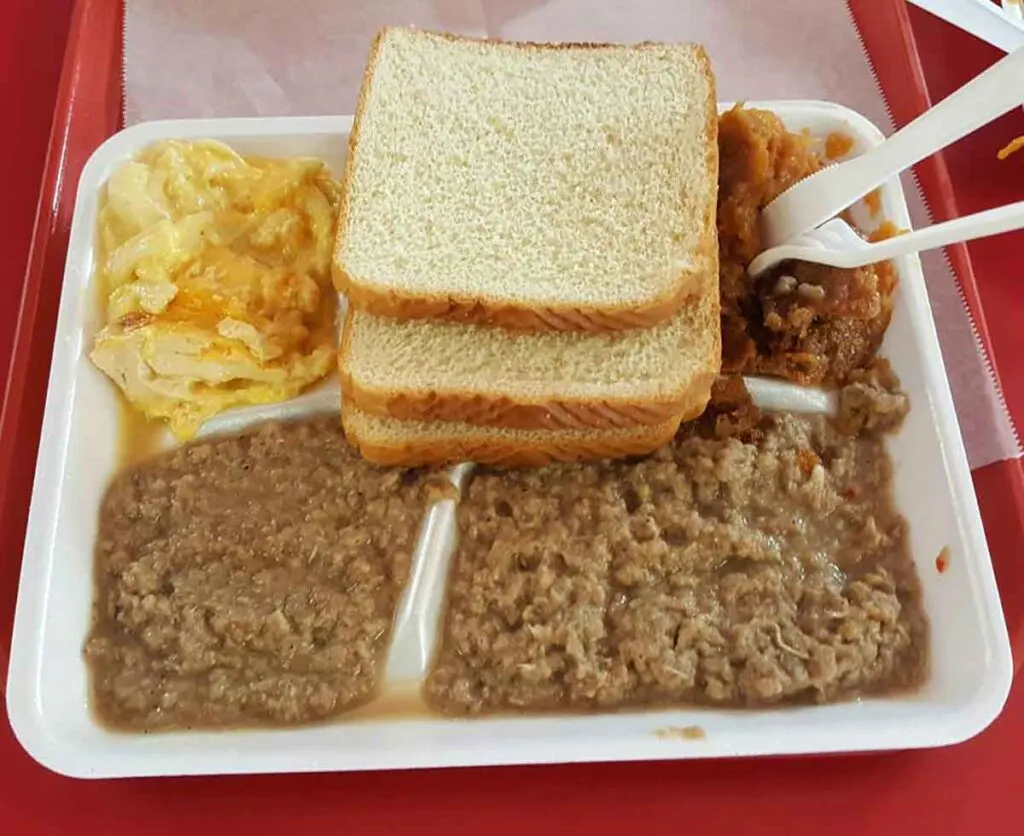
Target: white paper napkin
(194, 58)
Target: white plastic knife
(981, 18)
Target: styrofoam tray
(47, 697)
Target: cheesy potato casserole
(215, 275)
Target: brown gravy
(248, 580)
(716, 572)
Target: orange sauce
(873, 200)
(1012, 148)
(837, 146)
(884, 231)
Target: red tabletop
(972, 788)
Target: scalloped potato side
(215, 271)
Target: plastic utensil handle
(1014, 10)
(990, 222)
(826, 194)
(981, 18)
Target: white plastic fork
(822, 196)
(837, 244)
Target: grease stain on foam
(401, 701)
(688, 733)
(138, 438)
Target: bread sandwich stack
(527, 242)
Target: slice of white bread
(432, 370)
(534, 186)
(414, 443)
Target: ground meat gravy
(249, 580)
(760, 563)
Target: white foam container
(47, 687)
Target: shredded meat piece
(872, 401)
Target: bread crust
(497, 411)
(391, 303)
(502, 410)
(484, 449)
(385, 301)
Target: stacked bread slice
(527, 242)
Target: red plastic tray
(967, 788)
